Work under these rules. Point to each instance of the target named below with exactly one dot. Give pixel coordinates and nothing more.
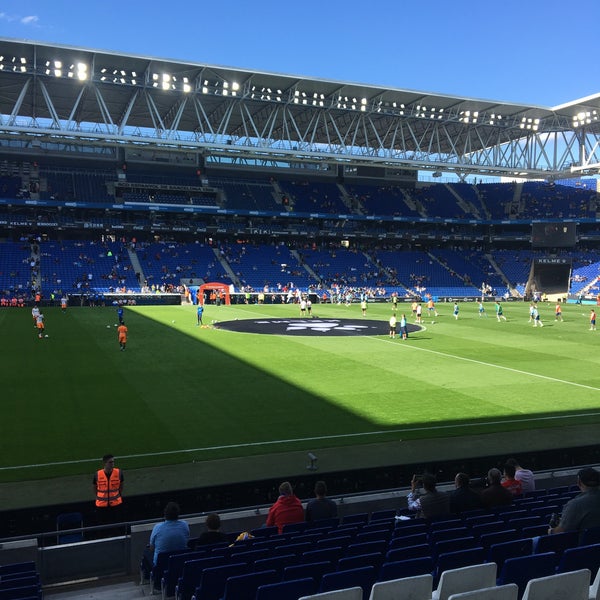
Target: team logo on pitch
(307, 327)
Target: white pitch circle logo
(308, 327)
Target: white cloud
(30, 20)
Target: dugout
(216, 287)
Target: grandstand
(115, 211)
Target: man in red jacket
(287, 509)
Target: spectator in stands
(320, 507)
(108, 489)
(287, 509)
(170, 535)
(213, 533)
(509, 482)
(583, 511)
(463, 498)
(431, 502)
(525, 476)
(494, 494)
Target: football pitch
(181, 393)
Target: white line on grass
(494, 366)
(308, 439)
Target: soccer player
(403, 327)
(558, 312)
(393, 323)
(120, 315)
(499, 312)
(199, 312)
(419, 313)
(536, 317)
(63, 304)
(592, 320)
(122, 333)
(531, 312)
(35, 311)
(455, 311)
(39, 323)
(482, 312)
(363, 307)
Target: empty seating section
(457, 556)
(439, 201)
(248, 194)
(20, 581)
(382, 200)
(314, 197)
(15, 270)
(76, 185)
(86, 267)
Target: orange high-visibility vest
(107, 489)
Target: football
(46, 335)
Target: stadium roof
(83, 97)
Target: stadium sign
(310, 327)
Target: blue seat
(366, 548)
(191, 574)
(20, 567)
(293, 548)
(590, 536)
(295, 527)
(458, 559)
(452, 522)
(277, 563)
(287, 590)
(489, 527)
(243, 587)
(21, 593)
(250, 556)
(23, 580)
(379, 515)
(394, 554)
(342, 541)
(521, 569)
(372, 536)
(399, 569)
(499, 553)
(455, 545)
(580, 557)
(361, 560)
(330, 522)
(363, 577)
(158, 570)
(263, 532)
(489, 539)
(557, 542)
(356, 518)
(408, 530)
(72, 521)
(314, 570)
(172, 573)
(410, 540)
(212, 582)
(324, 554)
(441, 535)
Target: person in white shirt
(525, 476)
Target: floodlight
(187, 88)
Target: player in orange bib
(122, 331)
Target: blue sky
(527, 51)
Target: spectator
(583, 511)
(287, 508)
(463, 498)
(213, 533)
(525, 476)
(320, 507)
(494, 494)
(170, 535)
(432, 503)
(509, 482)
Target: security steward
(108, 488)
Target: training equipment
(108, 327)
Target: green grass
(182, 393)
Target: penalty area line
(495, 366)
(442, 427)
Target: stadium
(155, 186)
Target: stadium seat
(175, 565)
(356, 518)
(459, 559)
(363, 577)
(383, 514)
(286, 590)
(353, 593)
(314, 570)
(277, 563)
(574, 585)
(580, 557)
(499, 553)
(191, 575)
(243, 587)
(406, 568)
(557, 542)
(361, 560)
(213, 579)
(66, 521)
(465, 579)
(418, 587)
(510, 591)
(521, 569)
(325, 554)
(405, 553)
(590, 536)
(595, 587)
